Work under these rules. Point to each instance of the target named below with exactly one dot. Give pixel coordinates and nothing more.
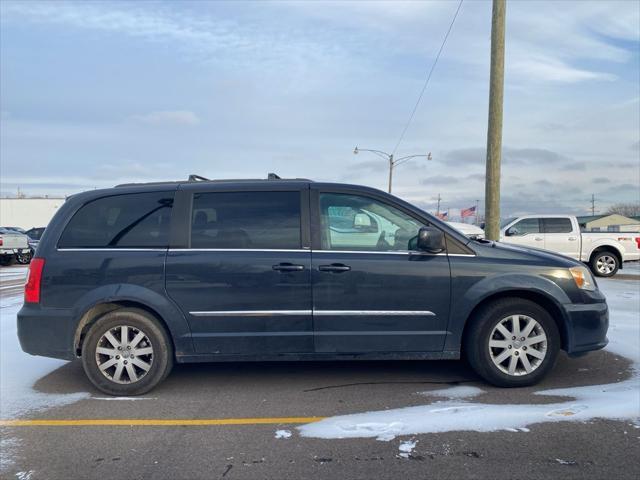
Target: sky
(98, 93)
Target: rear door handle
(572, 239)
(538, 239)
(288, 267)
(334, 267)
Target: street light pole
(393, 162)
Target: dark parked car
(137, 277)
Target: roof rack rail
(198, 178)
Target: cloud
(168, 117)
(440, 180)
(520, 156)
(553, 70)
(601, 180)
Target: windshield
(506, 221)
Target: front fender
(173, 318)
(498, 285)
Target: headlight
(582, 277)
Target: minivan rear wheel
(512, 342)
(127, 352)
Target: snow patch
(19, 372)
(618, 401)
(406, 448)
(454, 392)
(283, 434)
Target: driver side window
(524, 226)
(352, 222)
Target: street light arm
(380, 153)
(402, 160)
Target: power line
(424, 87)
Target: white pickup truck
(13, 246)
(604, 252)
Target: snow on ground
(630, 268)
(454, 392)
(406, 448)
(612, 401)
(19, 371)
(283, 434)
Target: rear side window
(262, 220)
(557, 225)
(137, 220)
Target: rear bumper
(46, 332)
(587, 327)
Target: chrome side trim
(392, 252)
(325, 313)
(292, 250)
(275, 313)
(249, 313)
(321, 334)
(275, 250)
(112, 249)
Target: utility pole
(390, 171)
(438, 210)
(477, 211)
(593, 204)
(494, 132)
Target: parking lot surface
(264, 420)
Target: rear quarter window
(137, 220)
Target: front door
(526, 232)
(371, 292)
(244, 281)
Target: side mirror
(512, 231)
(430, 240)
(361, 220)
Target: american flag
(468, 212)
(442, 216)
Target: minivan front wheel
(126, 352)
(512, 342)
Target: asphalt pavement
(254, 398)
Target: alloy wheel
(124, 354)
(518, 345)
(606, 264)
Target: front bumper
(587, 326)
(46, 332)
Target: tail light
(34, 280)
(1, 242)
(637, 242)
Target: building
(609, 223)
(28, 212)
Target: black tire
(481, 329)
(161, 360)
(604, 264)
(24, 258)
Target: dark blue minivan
(137, 277)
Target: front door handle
(538, 239)
(572, 239)
(288, 267)
(334, 267)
